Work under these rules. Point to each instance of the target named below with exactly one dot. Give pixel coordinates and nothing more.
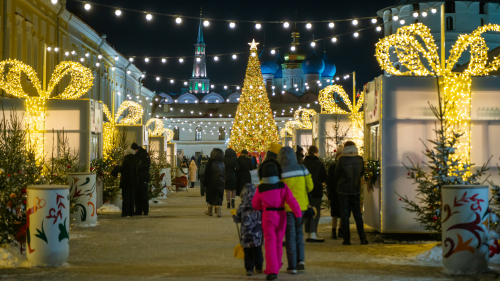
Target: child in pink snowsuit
(271, 197)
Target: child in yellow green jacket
(299, 180)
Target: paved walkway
(178, 242)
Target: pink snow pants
(274, 227)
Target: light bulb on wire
(286, 24)
(216, 58)
(149, 16)
(87, 6)
(232, 24)
(181, 60)
(206, 23)
(433, 10)
(356, 34)
(355, 22)
(273, 52)
(258, 25)
(374, 20)
(292, 48)
(146, 60)
(424, 14)
(234, 57)
(415, 15)
(334, 39)
(163, 60)
(313, 44)
(178, 20)
(331, 25)
(308, 25)
(118, 13)
(131, 59)
(402, 22)
(395, 17)
(379, 28)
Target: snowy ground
(178, 242)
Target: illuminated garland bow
(299, 122)
(456, 86)
(135, 112)
(328, 103)
(81, 81)
(159, 130)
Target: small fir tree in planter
(158, 163)
(19, 169)
(443, 168)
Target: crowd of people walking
(288, 198)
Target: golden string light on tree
(81, 81)
(254, 127)
(455, 86)
(135, 112)
(327, 101)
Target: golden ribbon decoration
(302, 120)
(328, 103)
(135, 112)
(81, 81)
(456, 85)
(159, 130)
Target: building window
(482, 22)
(482, 8)
(416, 7)
(222, 133)
(197, 134)
(449, 23)
(176, 133)
(449, 7)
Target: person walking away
(201, 173)
(244, 176)
(348, 173)
(251, 230)
(300, 154)
(192, 173)
(128, 181)
(271, 197)
(333, 196)
(143, 178)
(231, 184)
(299, 180)
(214, 178)
(318, 174)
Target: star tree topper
(253, 45)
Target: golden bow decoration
(135, 112)
(327, 101)
(81, 81)
(159, 129)
(456, 85)
(302, 120)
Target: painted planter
(118, 200)
(168, 180)
(48, 224)
(83, 190)
(166, 173)
(465, 228)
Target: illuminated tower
(199, 83)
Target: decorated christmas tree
(444, 167)
(254, 128)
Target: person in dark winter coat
(333, 196)
(251, 230)
(348, 173)
(300, 154)
(318, 173)
(231, 184)
(141, 192)
(215, 176)
(244, 175)
(201, 174)
(128, 181)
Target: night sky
(132, 35)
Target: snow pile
(156, 201)
(108, 208)
(434, 254)
(76, 236)
(10, 257)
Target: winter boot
(218, 211)
(232, 203)
(315, 239)
(228, 205)
(272, 277)
(301, 265)
(209, 212)
(340, 233)
(334, 234)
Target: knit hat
(134, 146)
(299, 149)
(275, 148)
(270, 172)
